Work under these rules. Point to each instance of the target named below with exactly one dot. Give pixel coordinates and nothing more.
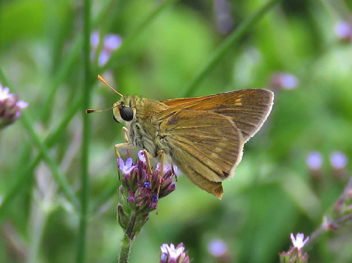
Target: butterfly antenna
(91, 111)
(107, 84)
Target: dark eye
(126, 113)
(113, 116)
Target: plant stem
(36, 140)
(131, 38)
(125, 249)
(225, 46)
(24, 176)
(328, 226)
(333, 225)
(127, 240)
(82, 239)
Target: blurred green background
(165, 44)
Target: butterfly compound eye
(126, 113)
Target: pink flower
(172, 254)
(10, 107)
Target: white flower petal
(299, 241)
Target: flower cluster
(295, 254)
(338, 162)
(111, 43)
(10, 107)
(172, 254)
(139, 192)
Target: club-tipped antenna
(92, 111)
(107, 84)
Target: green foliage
(170, 48)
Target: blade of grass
(131, 38)
(70, 58)
(83, 222)
(226, 45)
(61, 74)
(104, 197)
(37, 141)
(24, 177)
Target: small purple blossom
(224, 19)
(299, 241)
(217, 247)
(314, 160)
(343, 30)
(338, 160)
(141, 156)
(284, 81)
(172, 254)
(126, 167)
(104, 57)
(94, 39)
(111, 43)
(10, 107)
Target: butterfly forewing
(248, 109)
(206, 146)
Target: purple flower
(139, 192)
(172, 254)
(217, 247)
(111, 43)
(126, 167)
(141, 156)
(314, 160)
(284, 81)
(343, 30)
(94, 39)
(10, 107)
(224, 19)
(338, 160)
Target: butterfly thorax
(142, 130)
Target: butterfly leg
(161, 153)
(125, 134)
(147, 160)
(125, 145)
(173, 172)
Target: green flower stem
(104, 197)
(61, 74)
(226, 45)
(125, 249)
(332, 225)
(36, 140)
(23, 178)
(69, 62)
(83, 222)
(127, 240)
(328, 227)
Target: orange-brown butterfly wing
(179, 102)
(248, 108)
(204, 145)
